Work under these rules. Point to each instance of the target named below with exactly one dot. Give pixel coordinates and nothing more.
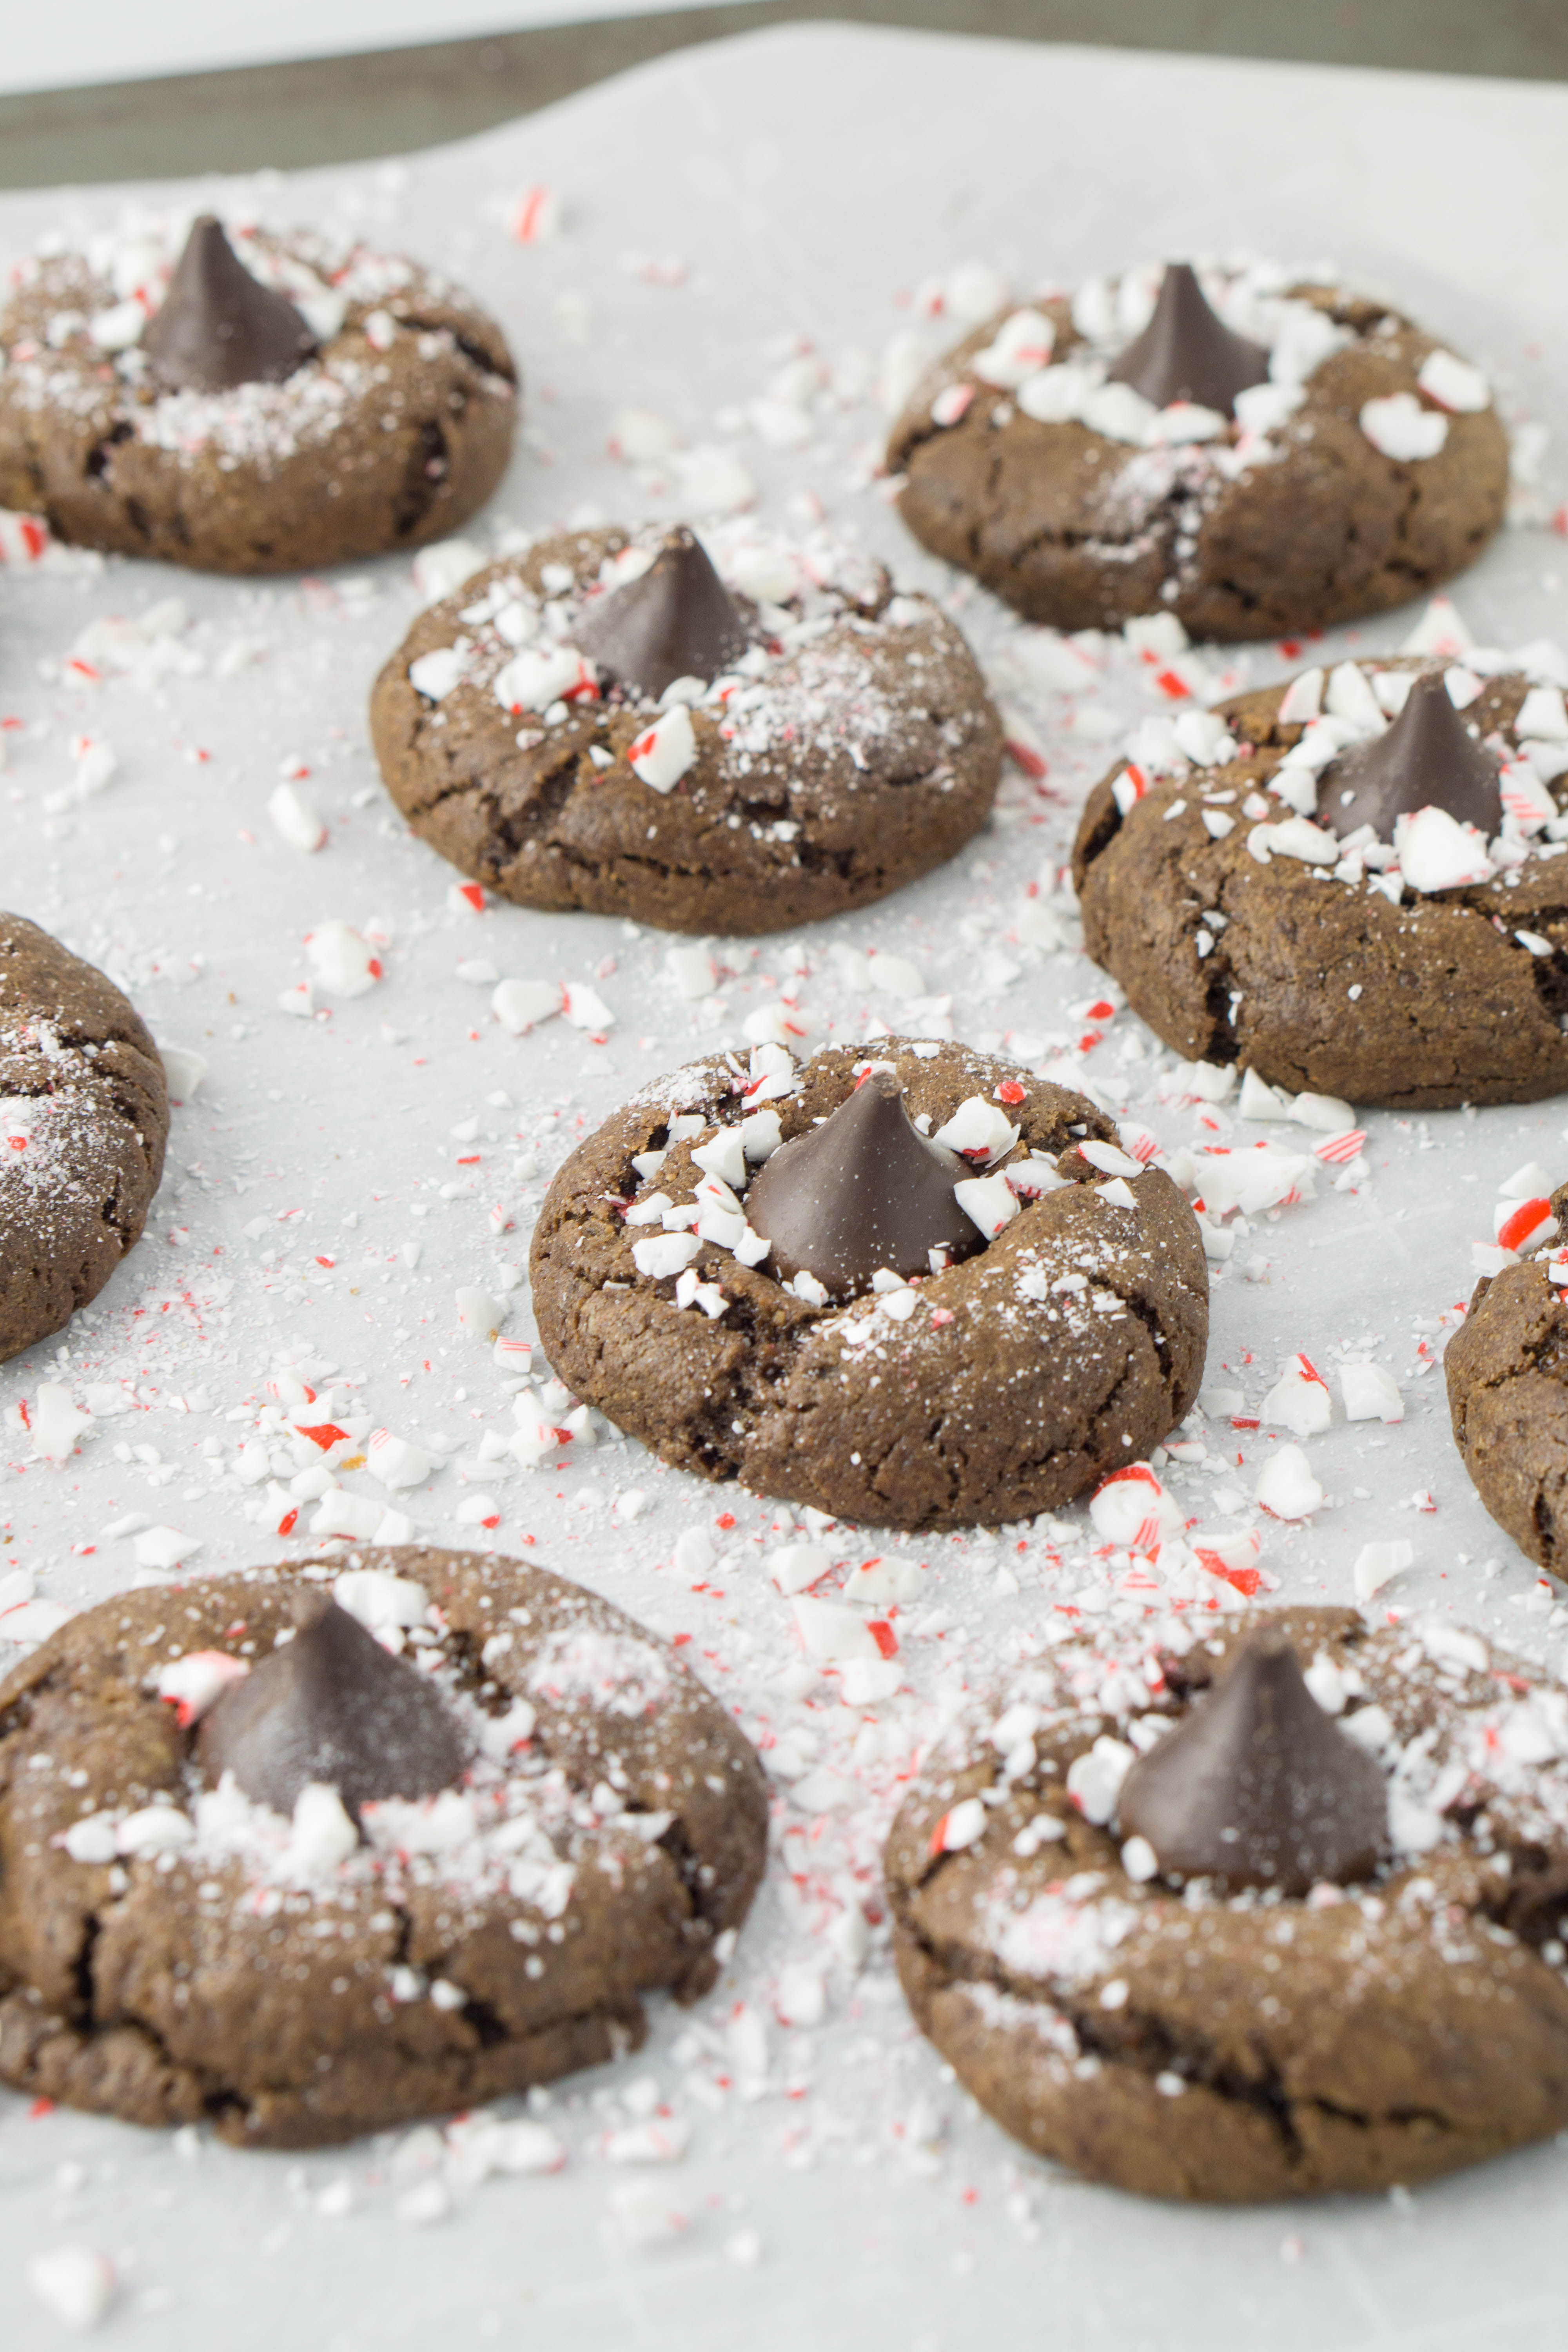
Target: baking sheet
(726, 213)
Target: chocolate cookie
(259, 1868)
(608, 723)
(1507, 1370)
(1239, 1912)
(946, 1297)
(275, 403)
(1351, 884)
(1255, 452)
(84, 1117)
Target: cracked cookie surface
(1245, 2048)
(1069, 1346)
(611, 1827)
(853, 748)
(394, 432)
(1507, 1373)
(1304, 529)
(1421, 1001)
(84, 1117)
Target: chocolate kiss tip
(332, 1706)
(1186, 352)
(1256, 1786)
(675, 620)
(863, 1190)
(218, 326)
(1426, 759)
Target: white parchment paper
(752, 223)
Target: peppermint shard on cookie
(1352, 883)
(1507, 1398)
(1256, 451)
(240, 399)
(84, 1117)
(734, 738)
(325, 1849)
(1242, 1911)
(909, 1283)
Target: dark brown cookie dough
(394, 430)
(855, 749)
(84, 1117)
(1251, 535)
(1067, 1347)
(614, 1828)
(1507, 1370)
(1309, 974)
(1251, 2046)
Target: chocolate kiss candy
(674, 620)
(1427, 759)
(332, 1706)
(1185, 352)
(1258, 1786)
(218, 326)
(863, 1189)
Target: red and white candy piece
(1130, 787)
(1300, 1399)
(1108, 1159)
(193, 1683)
(962, 1825)
(1524, 797)
(1023, 343)
(1286, 1486)
(1302, 700)
(1232, 1556)
(1437, 853)
(582, 1007)
(520, 1005)
(665, 752)
(1132, 1509)
(1454, 382)
(979, 1131)
(833, 1634)
(343, 960)
(1523, 1225)
(534, 679)
(395, 1462)
(989, 1201)
(952, 403)
(536, 215)
(23, 538)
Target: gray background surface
(335, 108)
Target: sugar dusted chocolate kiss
(675, 620)
(1258, 1787)
(218, 326)
(863, 1190)
(333, 1706)
(1186, 352)
(1426, 759)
